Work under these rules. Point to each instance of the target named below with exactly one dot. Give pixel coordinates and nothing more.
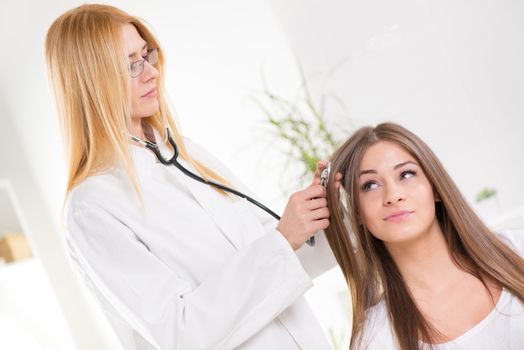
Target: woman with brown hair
(424, 272)
(175, 263)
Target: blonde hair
(89, 74)
(371, 272)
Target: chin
(145, 108)
(402, 239)
(153, 108)
(146, 112)
(399, 235)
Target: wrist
(288, 239)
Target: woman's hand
(306, 211)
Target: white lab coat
(193, 269)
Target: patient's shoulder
(377, 332)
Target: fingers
(318, 225)
(321, 165)
(305, 214)
(316, 203)
(307, 210)
(315, 191)
(318, 214)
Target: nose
(393, 195)
(150, 72)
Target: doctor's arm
(244, 295)
(317, 259)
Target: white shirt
(502, 329)
(193, 269)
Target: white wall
(449, 70)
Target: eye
(368, 186)
(134, 66)
(407, 174)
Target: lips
(150, 93)
(398, 216)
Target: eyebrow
(131, 55)
(399, 165)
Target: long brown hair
(369, 269)
(89, 74)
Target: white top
(502, 329)
(193, 269)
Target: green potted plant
(301, 127)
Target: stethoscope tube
(174, 161)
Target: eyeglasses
(136, 68)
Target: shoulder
(513, 238)
(99, 191)
(99, 209)
(377, 333)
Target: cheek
(424, 195)
(368, 210)
(428, 206)
(424, 203)
(135, 98)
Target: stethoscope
(174, 161)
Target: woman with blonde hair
(424, 272)
(175, 263)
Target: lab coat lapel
(226, 217)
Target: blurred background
(451, 71)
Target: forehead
(133, 42)
(384, 155)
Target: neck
(425, 262)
